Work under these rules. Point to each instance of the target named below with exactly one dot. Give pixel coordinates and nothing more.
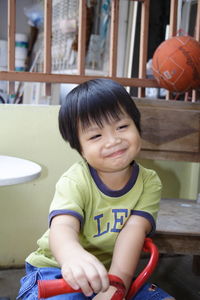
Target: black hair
(95, 100)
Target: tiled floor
(173, 274)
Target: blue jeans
(29, 288)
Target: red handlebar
(149, 246)
(50, 288)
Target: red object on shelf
(50, 288)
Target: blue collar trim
(112, 193)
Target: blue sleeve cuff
(149, 217)
(65, 212)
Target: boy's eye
(96, 136)
(123, 126)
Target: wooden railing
(46, 76)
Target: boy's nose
(113, 140)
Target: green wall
(31, 132)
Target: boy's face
(112, 147)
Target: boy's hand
(83, 270)
(79, 268)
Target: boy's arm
(127, 251)
(79, 268)
(128, 248)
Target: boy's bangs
(100, 114)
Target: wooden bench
(171, 131)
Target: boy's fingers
(85, 287)
(104, 278)
(94, 278)
(82, 281)
(69, 278)
(98, 278)
(90, 277)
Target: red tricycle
(50, 288)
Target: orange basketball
(176, 64)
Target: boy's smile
(115, 153)
(112, 147)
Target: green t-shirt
(102, 212)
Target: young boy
(104, 206)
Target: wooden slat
(82, 37)
(197, 28)
(11, 34)
(184, 217)
(47, 41)
(177, 244)
(143, 44)
(174, 134)
(169, 155)
(11, 41)
(197, 37)
(114, 37)
(76, 79)
(173, 18)
(172, 28)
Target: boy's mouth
(115, 153)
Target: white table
(14, 170)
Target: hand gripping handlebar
(50, 288)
